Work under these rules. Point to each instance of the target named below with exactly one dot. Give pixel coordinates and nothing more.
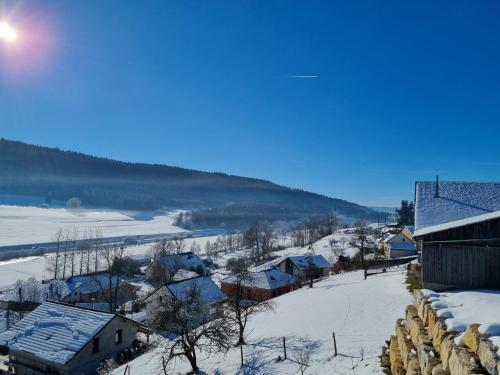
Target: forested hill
(59, 175)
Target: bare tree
(111, 261)
(58, 239)
(311, 271)
(303, 360)
(159, 250)
(362, 241)
(240, 308)
(73, 250)
(179, 244)
(195, 248)
(199, 329)
(96, 243)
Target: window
(118, 337)
(160, 299)
(95, 345)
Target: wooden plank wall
(461, 266)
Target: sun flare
(7, 32)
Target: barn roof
(209, 291)
(457, 203)
(91, 283)
(271, 278)
(55, 332)
(303, 261)
(187, 261)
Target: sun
(7, 32)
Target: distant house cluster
(278, 277)
(398, 242)
(70, 326)
(174, 266)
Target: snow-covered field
(36, 267)
(360, 312)
(26, 225)
(465, 307)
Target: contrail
(304, 76)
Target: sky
(351, 99)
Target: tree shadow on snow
(256, 365)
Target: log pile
(423, 345)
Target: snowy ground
(360, 312)
(463, 308)
(25, 225)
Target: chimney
(436, 193)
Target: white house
(208, 294)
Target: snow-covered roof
(91, 283)
(55, 332)
(209, 291)
(100, 306)
(407, 246)
(34, 291)
(183, 275)
(271, 278)
(456, 201)
(389, 236)
(303, 261)
(187, 261)
(457, 223)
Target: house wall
(156, 304)
(85, 362)
(288, 267)
(126, 292)
(255, 294)
(401, 253)
(157, 273)
(462, 257)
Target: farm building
(399, 244)
(62, 339)
(260, 285)
(95, 288)
(208, 295)
(162, 270)
(299, 265)
(457, 227)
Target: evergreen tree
(405, 215)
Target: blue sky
(404, 90)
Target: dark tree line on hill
(216, 199)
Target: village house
(260, 285)
(208, 296)
(399, 244)
(28, 294)
(62, 339)
(300, 265)
(162, 270)
(457, 228)
(96, 287)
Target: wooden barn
(458, 232)
(260, 285)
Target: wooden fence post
(284, 346)
(334, 343)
